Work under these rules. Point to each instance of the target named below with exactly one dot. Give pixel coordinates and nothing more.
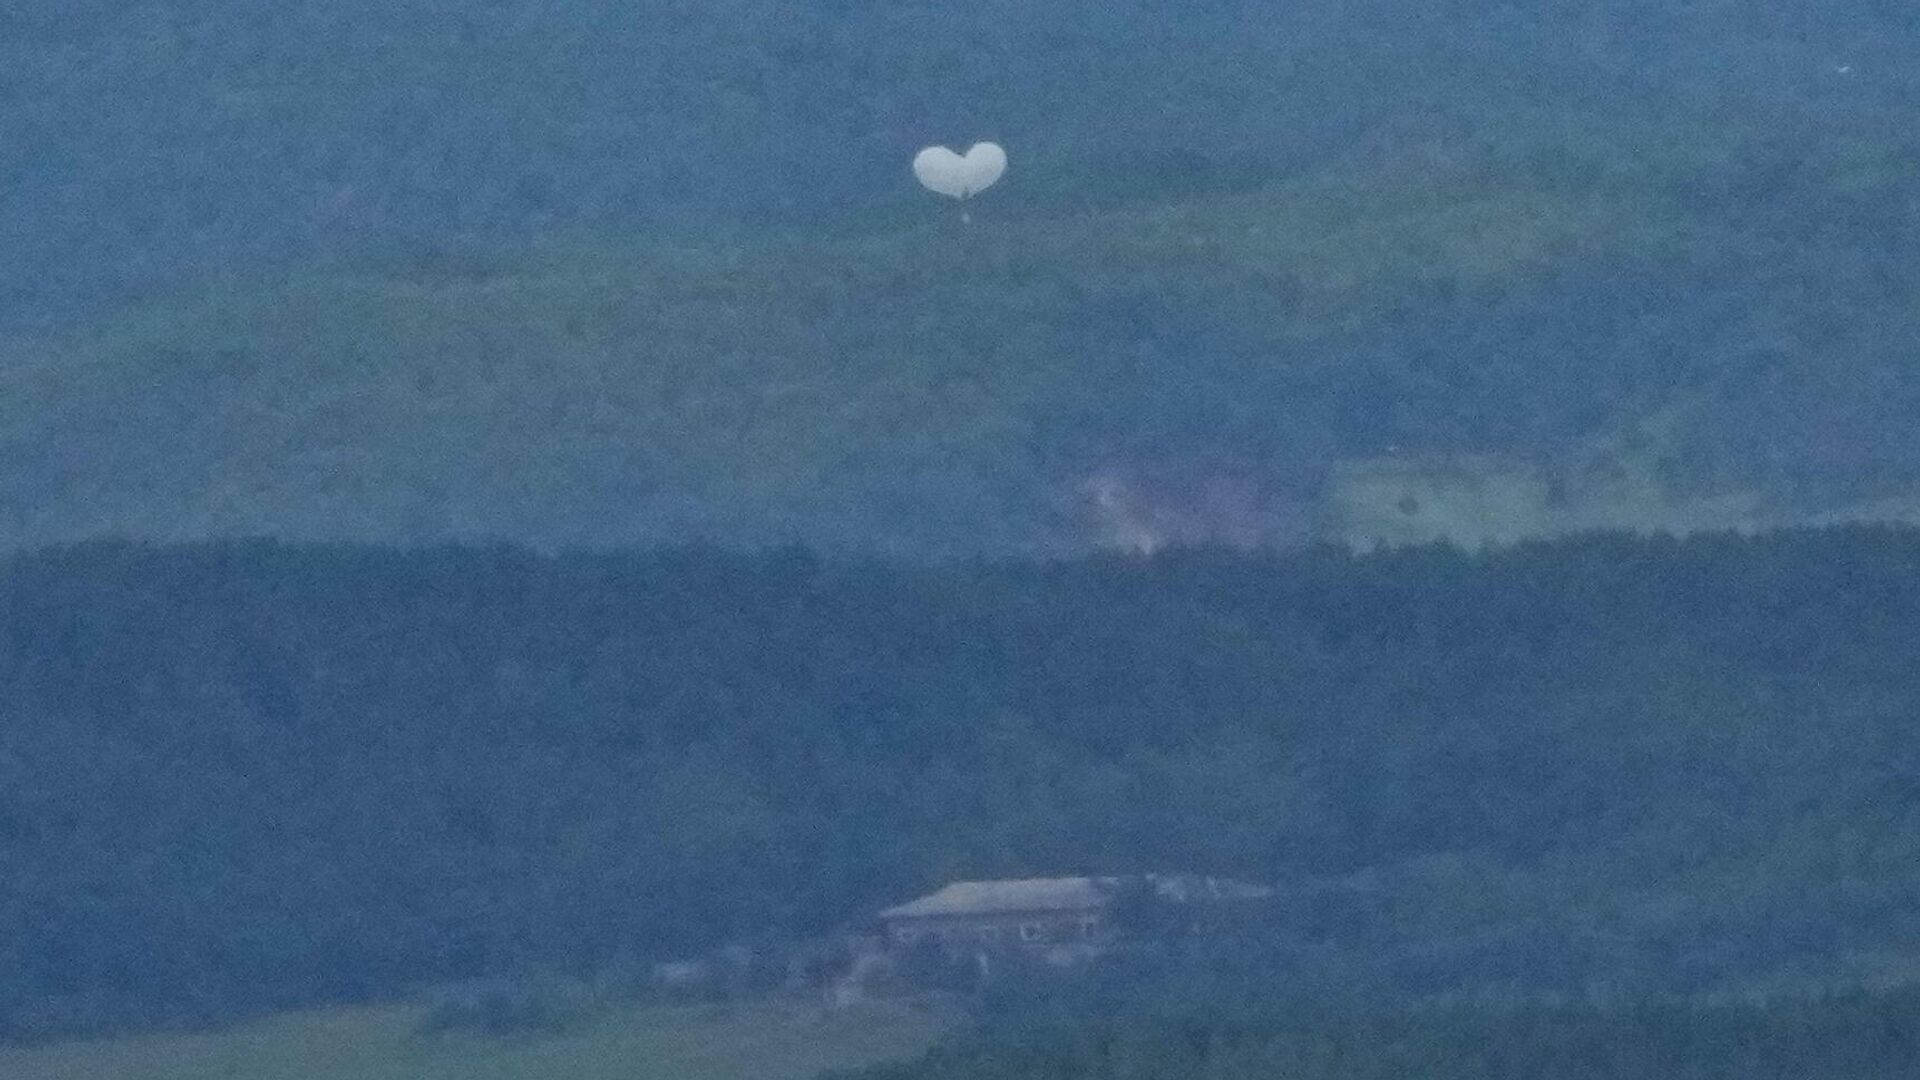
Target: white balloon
(961, 177)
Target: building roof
(1064, 894)
(995, 897)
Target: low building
(1046, 913)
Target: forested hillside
(603, 272)
(244, 776)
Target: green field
(763, 1041)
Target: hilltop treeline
(187, 137)
(248, 775)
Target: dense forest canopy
(240, 776)
(599, 272)
(145, 141)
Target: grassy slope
(1523, 323)
(756, 1042)
(1526, 271)
(907, 381)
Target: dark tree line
(240, 776)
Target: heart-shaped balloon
(960, 176)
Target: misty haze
(1019, 540)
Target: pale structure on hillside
(1042, 913)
